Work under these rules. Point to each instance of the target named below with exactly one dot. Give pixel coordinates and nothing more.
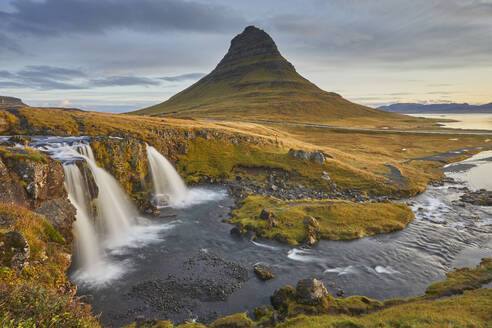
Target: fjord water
(463, 121)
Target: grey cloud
(183, 77)
(43, 77)
(10, 85)
(56, 17)
(6, 74)
(50, 72)
(7, 44)
(123, 81)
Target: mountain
(11, 103)
(453, 108)
(255, 82)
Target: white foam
(264, 245)
(343, 270)
(196, 196)
(385, 270)
(301, 256)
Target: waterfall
(116, 213)
(169, 188)
(87, 246)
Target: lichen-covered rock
(35, 181)
(14, 250)
(317, 156)
(281, 297)
(310, 291)
(312, 230)
(60, 213)
(263, 272)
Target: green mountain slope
(254, 82)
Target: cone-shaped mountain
(254, 82)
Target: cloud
(49, 72)
(7, 44)
(43, 77)
(6, 74)
(10, 84)
(56, 17)
(183, 77)
(65, 103)
(124, 81)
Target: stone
(281, 296)
(263, 272)
(310, 291)
(265, 214)
(14, 250)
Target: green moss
(53, 234)
(338, 220)
(462, 279)
(239, 320)
(15, 154)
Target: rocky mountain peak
(251, 42)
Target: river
(194, 268)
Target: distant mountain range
(453, 108)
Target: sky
(122, 55)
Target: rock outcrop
(35, 181)
(14, 250)
(317, 156)
(11, 103)
(310, 291)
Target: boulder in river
(263, 272)
(310, 291)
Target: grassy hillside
(254, 82)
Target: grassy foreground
(39, 294)
(295, 221)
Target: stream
(184, 264)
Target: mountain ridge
(451, 108)
(254, 81)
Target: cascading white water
(115, 211)
(89, 252)
(169, 188)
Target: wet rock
(281, 296)
(266, 215)
(263, 272)
(481, 197)
(22, 140)
(236, 231)
(312, 230)
(310, 291)
(340, 293)
(14, 250)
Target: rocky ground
(204, 277)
